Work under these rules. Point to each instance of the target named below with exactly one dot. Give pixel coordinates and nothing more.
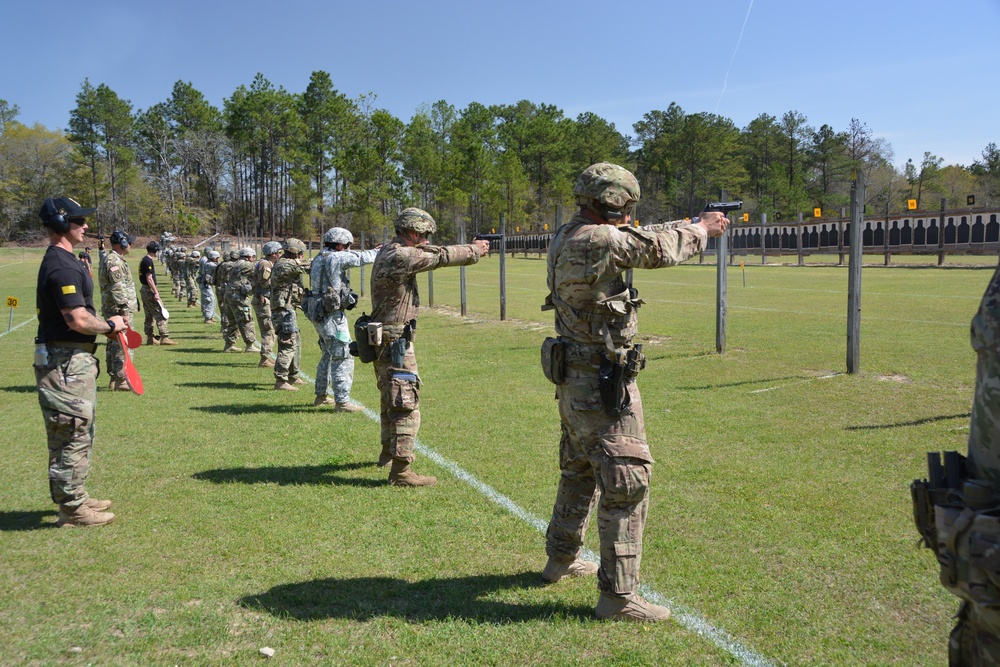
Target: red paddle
(132, 338)
(131, 374)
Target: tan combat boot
(265, 362)
(70, 517)
(348, 407)
(232, 348)
(323, 399)
(630, 609)
(401, 475)
(298, 381)
(118, 384)
(166, 341)
(97, 505)
(253, 347)
(561, 569)
(385, 458)
(152, 340)
(284, 386)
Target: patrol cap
(62, 206)
(121, 238)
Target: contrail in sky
(725, 82)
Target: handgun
(724, 206)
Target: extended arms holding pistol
(724, 207)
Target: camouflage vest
(286, 284)
(262, 279)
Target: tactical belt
(72, 345)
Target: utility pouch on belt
(964, 526)
(398, 351)
(366, 352)
(554, 360)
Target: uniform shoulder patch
(69, 289)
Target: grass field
(780, 522)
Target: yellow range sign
(12, 302)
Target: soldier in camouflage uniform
(118, 297)
(262, 300)
(603, 454)
(395, 303)
(331, 284)
(65, 366)
(219, 281)
(177, 273)
(968, 529)
(286, 295)
(191, 269)
(239, 288)
(206, 283)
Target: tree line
(275, 163)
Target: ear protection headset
(54, 218)
(120, 239)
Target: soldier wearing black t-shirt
(65, 366)
(150, 295)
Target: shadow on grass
(254, 386)
(721, 385)
(916, 422)
(291, 475)
(200, 337)
(367, 598)
(256, 408)
(204, 363)
(10, 521)
(20, 389)
(195, 350)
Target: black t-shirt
(63, 282)
(146, 268)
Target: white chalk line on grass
(782, 386)
(689, 618)
(17, 327)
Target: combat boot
(97, 505)
(82, 515)
(166, 341)
(266, 362)
(401, 475)
(561, 569)
(630, 609)
(385, 458)
(348, 407)
(118, 384)
(252, 348)
(232, 348)
(284, 386)
(152, 340)
(298, 381)
(323, 399)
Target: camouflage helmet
(195, 254)
(247, 252)
(180, 254)
(213, 254)
(416, 219)
(231, 256)
(208, 249)
(295, 246)
(338, 235)
(608, 185)
(271, 248)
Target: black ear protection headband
(55, 221)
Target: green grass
(245, 518)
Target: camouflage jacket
(394, 276)
(286, 283)
(222, 275)
(239, 281)
(206, 277)
(117, 288)
(984, 431)
(191, 269)
(586, 262)
(262, 280)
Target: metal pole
(944, 205)
(763, 236)
(461, 272)
(721, 244)
(798, 240)
(854, 275)
(840, 235)
(885, 237)
(503, 266)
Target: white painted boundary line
(689, 618)
(781, 386)
(17, 327)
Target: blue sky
(924, 75)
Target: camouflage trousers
(67, 394)
(152, 310)
(262, 309)
(336, 365)
(114, 357)
(207, 302)
(191, 289)
(237, 319)
(289, 355)
(975, 641)
(604, 462)
(400, 403)
(223, 317)
(179, 286)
